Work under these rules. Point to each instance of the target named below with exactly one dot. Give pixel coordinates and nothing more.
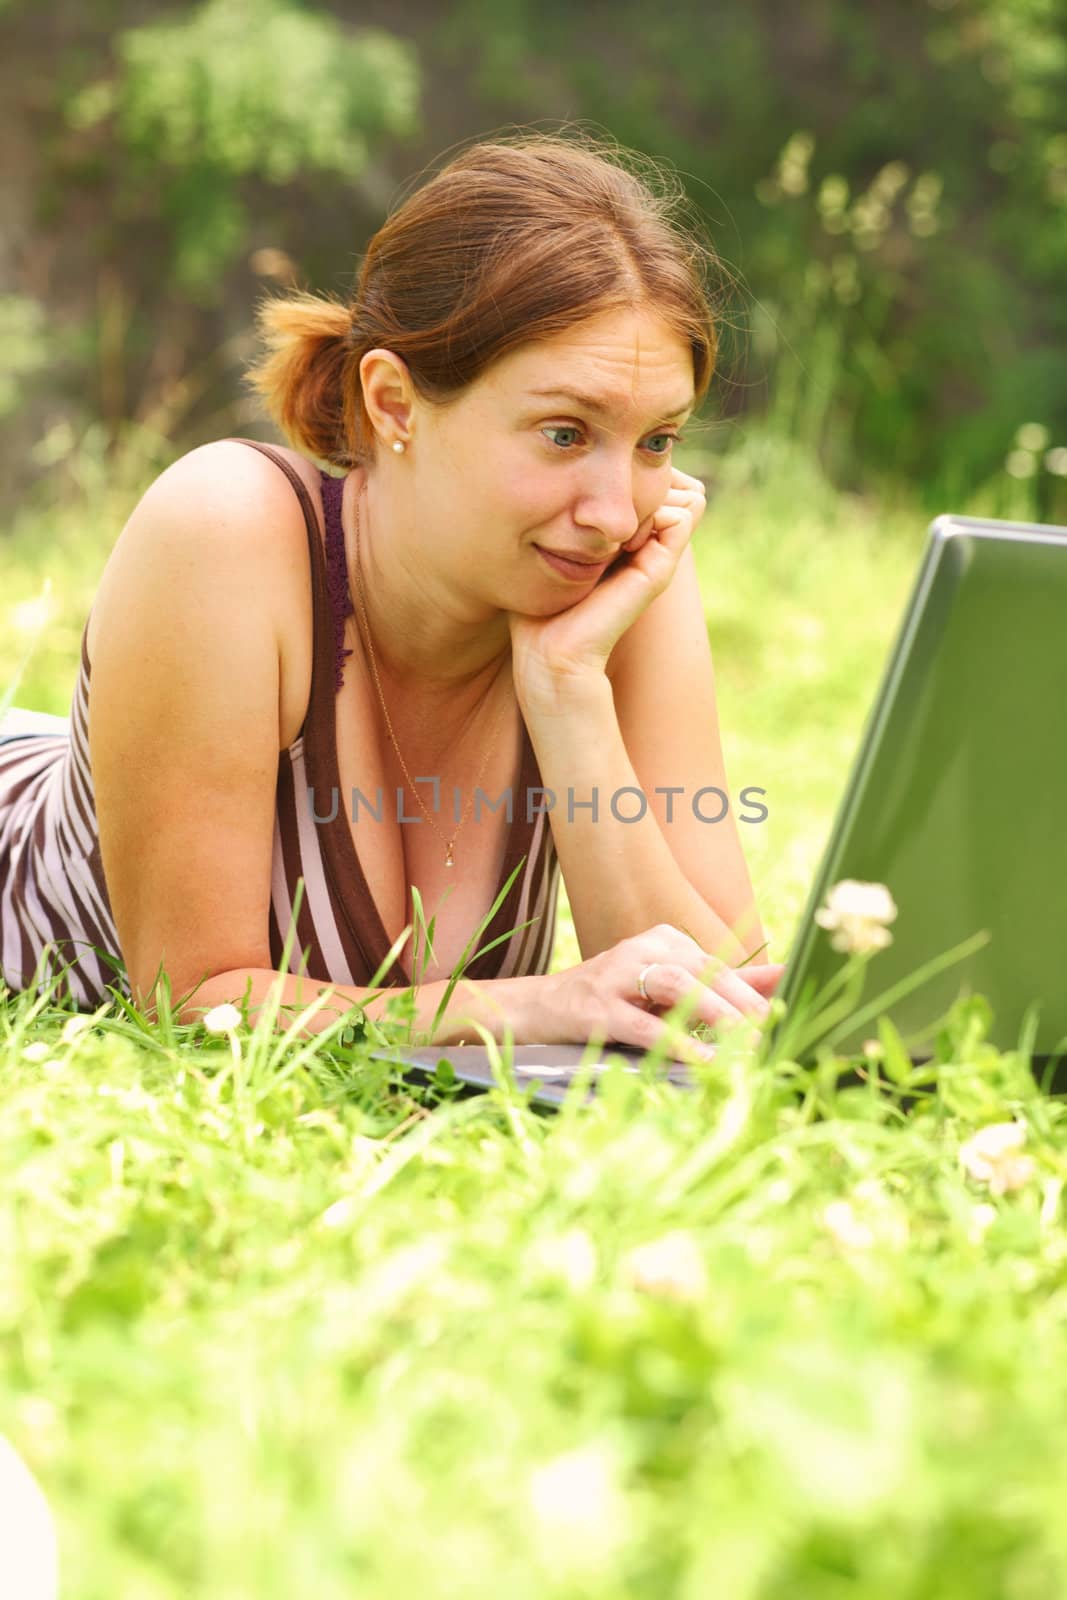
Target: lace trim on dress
(336, 573)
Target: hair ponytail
(304, 378)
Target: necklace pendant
(448, 859)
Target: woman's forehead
(607, 365)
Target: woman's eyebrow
(598, 407)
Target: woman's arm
(184, 723)
(666, 701)
(621, 877)
(496, 1003)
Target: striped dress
(55, 917)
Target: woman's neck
(428, 639)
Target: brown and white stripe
(54, 908)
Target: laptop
(957, 802)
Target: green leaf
(894, 1056)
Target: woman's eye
(667, 439)
(562, 429)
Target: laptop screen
(958, 796)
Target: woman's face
(578, 469)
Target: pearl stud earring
(398, 446)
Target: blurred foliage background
(885, 184)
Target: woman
(496, 599)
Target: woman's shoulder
(232, 476)
(236, 467)
(227, 503)
(304, 468)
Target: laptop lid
(957, 795)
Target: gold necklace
(449, 857)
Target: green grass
(272, 1328)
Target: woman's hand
(600, 996)
(577, 642)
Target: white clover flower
(856, 915)
(572, 1487)
(578, 1499)
(74, 1027)
(982, 1218)
(842, 1222)
(1020, 463)
(36, 1050)
(990, 1156)
(1032, 436)
(222, 1019)
(671, 1266)
(570, 1257)
(866, 1217)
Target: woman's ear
(387, 392)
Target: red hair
(516, 239)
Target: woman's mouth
(575, 571)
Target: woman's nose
(607, 503)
